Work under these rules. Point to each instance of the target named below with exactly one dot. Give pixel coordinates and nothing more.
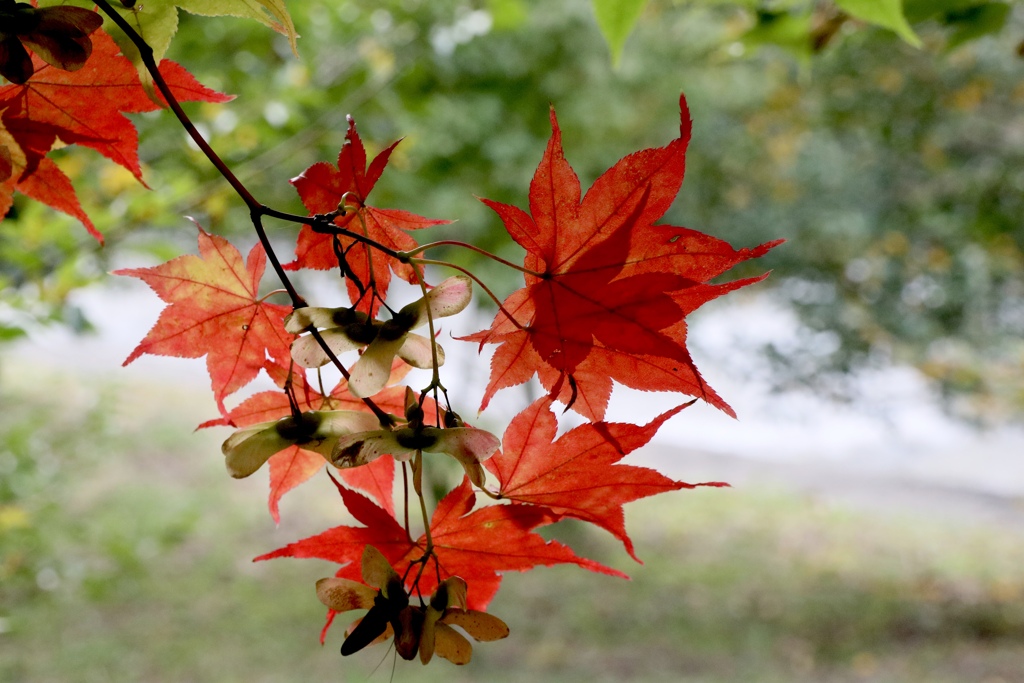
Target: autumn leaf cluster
(605, 298)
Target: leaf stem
(427, 261)
(146, 54)
(483, 252)
(323, 226)
(435, 380)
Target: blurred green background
(893, 171)
(124, 556)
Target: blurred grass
(124, 556)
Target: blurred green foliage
(121, 562)
(893, 171)
(58, 537)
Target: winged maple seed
(295, 465)
(59, 35)
(346, 329)
(469, 446)
(246, 450)
(425, 629)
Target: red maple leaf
(579, 474)
(84, 107)
(88, 104)
(479, 545)
(49, 185)
(607, 286)
(476, 545)
(214, 310)
(295, 465)
(323, 187)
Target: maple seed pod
(452, 419)
(408, 632)
(413, 410)
(387, 606)
(15, 63)
(371, 371)
(247, 449)
(58, 35)
(61, 38)
(376, 569)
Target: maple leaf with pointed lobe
(579, 474)
(480, 544)
(83, 107)
(296, 465)
(607, 290)
(476, 545)
(214, 310)
(44, 182)
(323, 187)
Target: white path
(902, 439)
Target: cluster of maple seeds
(605, 300)
(424, 630)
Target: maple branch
(256, 216)
(417, 482)
(477, 280)
(256, 209)
(146, 54)
(405, 495)
(320, 224)
(483, 252)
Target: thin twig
(256, 209)
(483, 252)
(476, 280)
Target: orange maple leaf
(215, 311)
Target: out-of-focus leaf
(975, 22)
(507, 14)
(885, 13)
(616, 18)
(788, 30)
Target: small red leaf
(324, 187)
(578, 475)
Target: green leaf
(885, 13)
(920, 10)
(975, 22)
(508, 14)
(789, 30)
(616, 19)
(269, 12)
